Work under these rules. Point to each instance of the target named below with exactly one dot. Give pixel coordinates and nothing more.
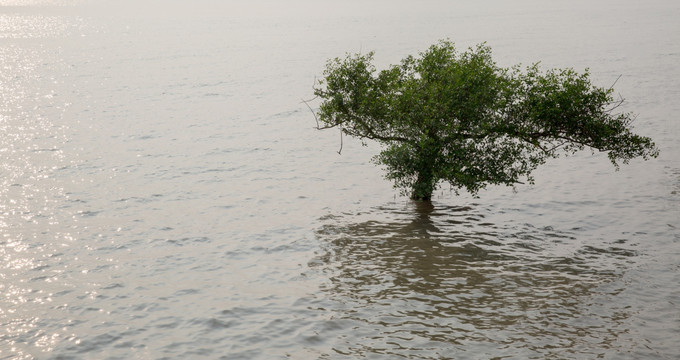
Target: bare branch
(326, 127)
(312, 99)
(313, 113)
(616, 104)
(615, 81)
(557, 146)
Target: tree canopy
(457, 117)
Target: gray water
(164, 194)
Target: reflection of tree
(415, 283)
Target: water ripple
(428, 280)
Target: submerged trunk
(424, 186)
(421, 197)
(426, 159)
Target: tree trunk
(424, 186)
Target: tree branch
(306, 102)
(615, 81)
(616, 104)
(367, 130)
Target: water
(163, 193)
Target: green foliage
(460, 118)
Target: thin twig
(317, 123)
(617, 80)
(615, 104)
(313, 113)
(557, 146)
(312, 99)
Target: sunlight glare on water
(163, 192)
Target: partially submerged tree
(460, 118)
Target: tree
(460, 118)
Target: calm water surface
(163, 193)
